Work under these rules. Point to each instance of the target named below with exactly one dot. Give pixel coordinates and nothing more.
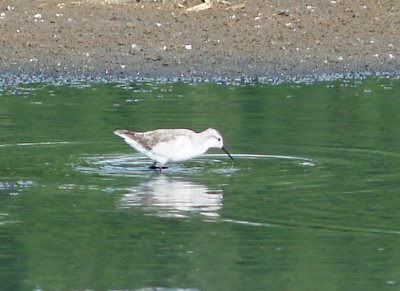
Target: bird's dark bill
(224, 149)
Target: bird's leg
(154, 166)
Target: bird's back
(145, 142)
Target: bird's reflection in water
(169, 197)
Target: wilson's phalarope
(172, 145)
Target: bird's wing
(151, 138)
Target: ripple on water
(5, 219)
(29, 144)
(137, 164)
(171, 193)
(14, 188)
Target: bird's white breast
(179, 149)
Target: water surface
(311, 202)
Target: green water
(311, 203)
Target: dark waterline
(12, 79)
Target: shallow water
(311, 202)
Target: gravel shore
(233, 40)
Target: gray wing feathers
(151, 138)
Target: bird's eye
(219, 139)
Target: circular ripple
(138, 165)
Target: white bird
(172, 145)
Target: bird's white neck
(203, 141)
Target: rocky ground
(236, 39)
